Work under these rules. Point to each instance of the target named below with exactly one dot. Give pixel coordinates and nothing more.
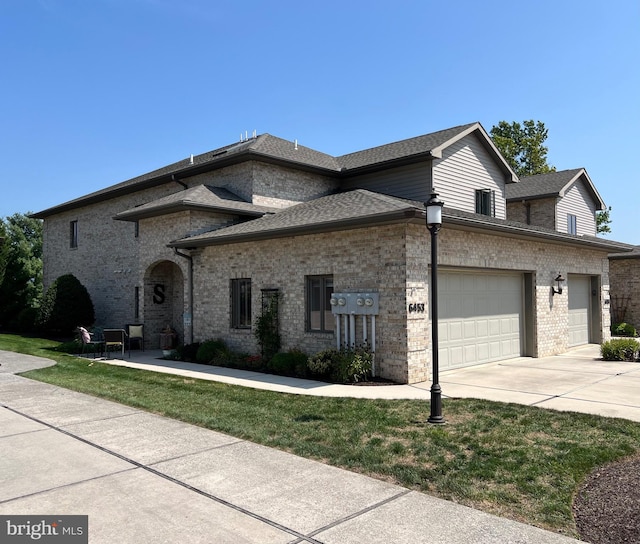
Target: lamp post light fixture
(434, 222)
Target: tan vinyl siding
(412, 181)
(465, 167)
(578, 202)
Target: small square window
(73, 234)
(241, 303)
(572, 224)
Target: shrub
(65, 306)
(209, 351)
(342, 366)
(188, 352)
(354, 365)
(620, 349)
(291, 363)
(623, 329)
(322, 363)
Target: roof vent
(191, 159)
(295, 145)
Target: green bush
(65, 306)
(354, 365)
(623, 329)
(620, 349)
(210, 351)
(188, 352)
(322, 363)
(342, 366)
(290, 363)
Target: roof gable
(429, 146)
(553, 184)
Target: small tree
(65, 305)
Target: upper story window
(318, 308)
(486, 202)
(241, 303)
(73, 234)
(572, 224)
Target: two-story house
(201, 243)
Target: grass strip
(516, 461)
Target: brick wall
(541, 212)
(625, 290)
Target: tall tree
(523, 146)
(21, 286)
(4, 250)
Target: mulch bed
(607, 505)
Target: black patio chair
(115, 338)
(135, 332)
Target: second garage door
(480, 317)
(579, 291)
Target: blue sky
(94, 92)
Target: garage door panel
(469, 328)
(579, 288)
(481, 314)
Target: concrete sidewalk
(143, 478)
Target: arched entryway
(163, 301)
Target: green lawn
(516, 461)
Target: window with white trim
(572, 224)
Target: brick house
(200, 243)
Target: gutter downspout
(174, 178)
(188, 315)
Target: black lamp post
(434, 222)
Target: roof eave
(396, 216)
(176, 207)
(527, 234)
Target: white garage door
(480, 317)
(579, 289)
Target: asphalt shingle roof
(360, 208)
(328, 212)
(404, 148)
(550, 184)
(201, 197)
(271, 148)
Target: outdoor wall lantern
(559, 279)
(434, 222)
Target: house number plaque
(416, 308)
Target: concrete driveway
(575, 381)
